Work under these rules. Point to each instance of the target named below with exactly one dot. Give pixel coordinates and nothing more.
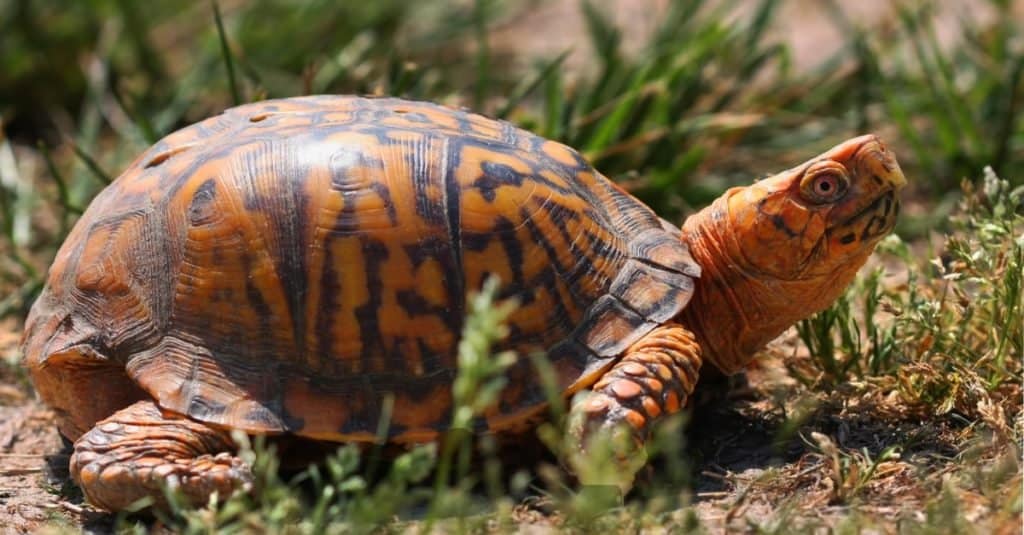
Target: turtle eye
(828, 185)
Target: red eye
(824, 186)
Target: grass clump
(661, 113)
(946, 346)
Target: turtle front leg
(653, 379)
(138, 450)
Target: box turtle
(287, 266)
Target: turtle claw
(603, 451)
(138, 453)
(609, 425)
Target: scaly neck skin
(737, 308)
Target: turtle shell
(302, 266)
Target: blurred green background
(675, 99)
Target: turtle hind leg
(138, 450)
(653, 379)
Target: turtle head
(822, 217)
(787, 246)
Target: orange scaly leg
(137, 450)
(654, 378)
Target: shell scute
(665, 250)
(656, 294)
(611, 326)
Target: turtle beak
(875, 182)
(874, 159)
(871, 206)
(867, 157)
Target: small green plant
(477, 385)
(970, 331)
(849, 471)
(847, 340)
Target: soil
(27, 439)
(31, 467)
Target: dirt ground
(35, 491)
(27, 436)
(28, 440)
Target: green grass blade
(557, 108)
(58, 178)
(606, 41)
(531, 84)
(236, 95)
(764, 14)
(952, 95)
(483, 54)
(137, 26)
(610, 126)
(91, 164)
(1010, 117)
(946, 127)
(140, 121)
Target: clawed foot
(138, 453)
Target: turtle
(295, 267)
